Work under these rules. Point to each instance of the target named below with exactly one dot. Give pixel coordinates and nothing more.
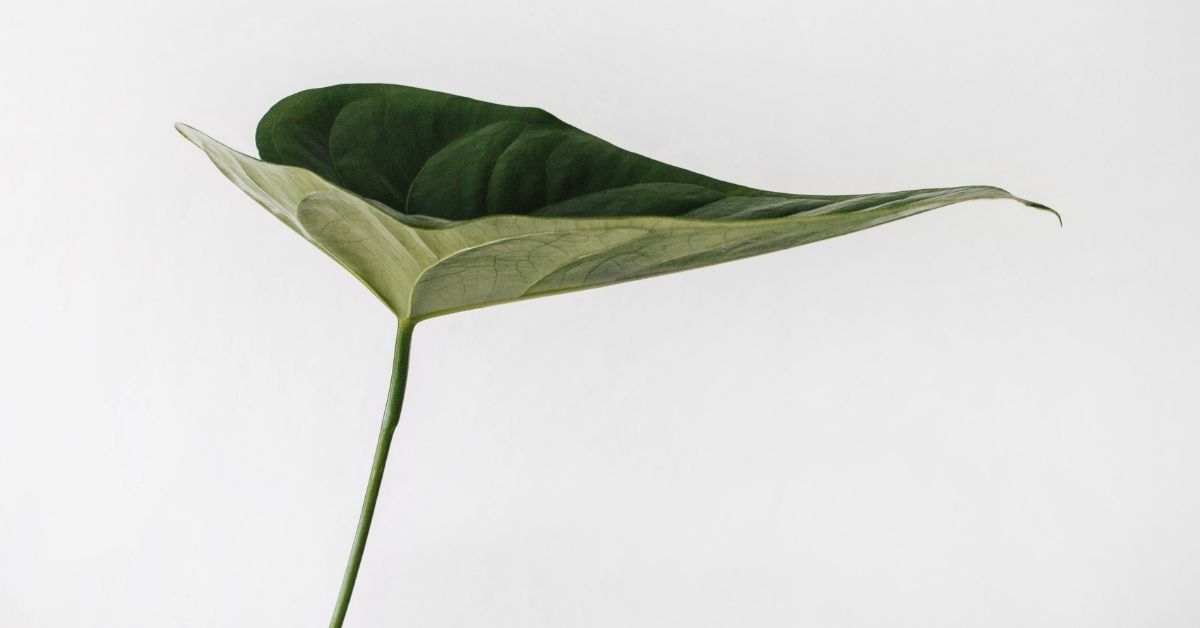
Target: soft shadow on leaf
(440, 203)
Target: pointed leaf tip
(189, 133)
(1045, 208)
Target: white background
(968, 418)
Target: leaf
(440, 203)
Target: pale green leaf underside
(422, 267)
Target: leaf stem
(391, 417)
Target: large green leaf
(440, 203)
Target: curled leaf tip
(1045, 208)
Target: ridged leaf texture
(440, 203)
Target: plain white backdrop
(967, 418)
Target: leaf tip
(187, 132)
(1045, 208)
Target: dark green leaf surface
(440, 203)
